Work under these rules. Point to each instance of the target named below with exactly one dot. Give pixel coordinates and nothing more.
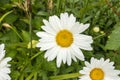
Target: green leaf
(26, 36)
(114, 41)
(11, 18)
(5, 15)
(10, 37)
(15, 74)
(4, 2)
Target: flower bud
(6, 25)
(34, 42)
(96, 29)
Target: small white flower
(63, 40)
(99, 70)
(4, 66)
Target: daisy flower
(99, 70)
(4, 66)
(63, 40)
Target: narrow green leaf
(65, 76)
(5, 15)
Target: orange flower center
(97, 74)
(64, 38)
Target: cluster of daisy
(62, 39)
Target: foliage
(114, 39)
(18, 27)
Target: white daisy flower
(4, 66)
(99, 70)
(63, 40)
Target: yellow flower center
(64, 38)
(97, 74)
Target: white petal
(73, 56)
(46, 23)
(57, 22)
(59, 59)
(75, 28)
(2, 51)
(67, 21)
(84, 78)
(85, 46)
(64, 19)
(52, 21)
(79, 28)
(108, 78)
(84, 42)
(85, 38)
(94, 62)
(71, 20)
(87, 64)
(5, 70)
(77, 52)
(48, 53)
(83, 27)
(5, 61)
(49, 26)
(43, 34)
(52, 54)
(48, 29)
(69, 57)
(45, 46)
(1, 76)
(92, 59)
(64, 56)
(2, 54)
(47, 39)
(2, 47)
(85, 70)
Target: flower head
(63, 40)
(99, 70)
(4, 66)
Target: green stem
(21, 77)
(16, 33)
(35, 76)
(30, 76)
(36, 55)
(30, 26)
(99, 36)
(66, 76)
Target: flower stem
(17, 33)
(21, 77)
(66, 76)
(99, 36)
(36, 55)
(35, 76)
(30, 76)
(30, 26)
